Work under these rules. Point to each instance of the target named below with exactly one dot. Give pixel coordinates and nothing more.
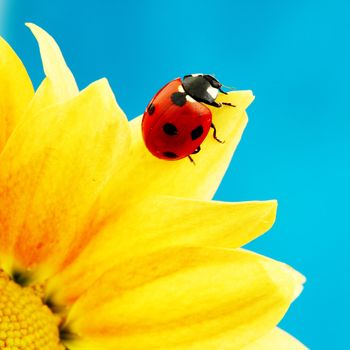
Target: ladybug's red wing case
(173, 127)
(178, 133)
(158, 105)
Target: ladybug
(177, 120)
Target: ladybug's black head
(212, 81)
(202, 87)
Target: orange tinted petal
(161, 222)
(53, 167)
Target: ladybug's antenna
(229, 87)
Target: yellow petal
(52, 169)
(277, 339)
(273, 340)
(180, 296)
(162, 222)
(59, 84)
(16, 91)
(145, 175)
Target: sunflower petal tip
(269, 213)
(102, 88)
(290, 280)
(274, 203)
(298, 277)
(251, 96)
(241, 98)
(297, 291)
(103, 82)
(35, 29)
(30, 24)
(271, 206)
(99, 93)
(55, 67)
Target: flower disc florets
(25, 322)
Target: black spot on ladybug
(197, 132)
(178, 98)
(170, 155)
(170, 129)
(151, 108)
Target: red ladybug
(177, 120)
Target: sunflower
(103, 246)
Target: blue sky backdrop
(294, 55)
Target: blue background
(294, 55)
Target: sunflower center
(25, 322)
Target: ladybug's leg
(228, 104)
(196, 150)
(218, 104)
(214, 133)
(214, 104)
(191, 159)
